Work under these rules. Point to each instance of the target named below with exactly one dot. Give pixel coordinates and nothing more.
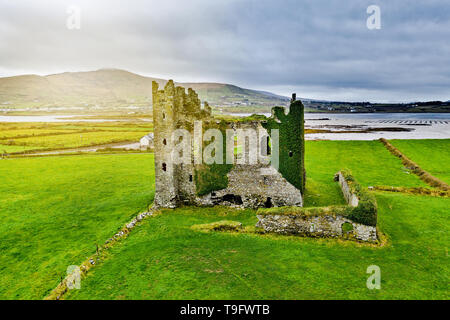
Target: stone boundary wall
(324, 226)
(63, 287)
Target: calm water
(381, 116)
(423, 125)
(365, 116)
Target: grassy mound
(223, 225)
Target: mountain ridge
(115, 88)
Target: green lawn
(165, 259)
(431, 155)
(55, 209)
(369, 161)
(20, 137)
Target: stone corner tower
(163, 126)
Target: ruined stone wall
(317, 226)
(250, 181)
(174, 109)
(164, 124)
(291, 130)
(357, 220)
(351, 198)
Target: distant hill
(113, 88)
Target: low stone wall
(351, 198)
(317, 226)
(356, 220)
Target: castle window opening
(164, 116)
(164, 142)
(164, 166)
(190, 178)
(269, 151)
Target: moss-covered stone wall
(291, 142)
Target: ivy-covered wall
(365, 212)
(291, 142)
(212, 177)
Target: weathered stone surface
(350, 197)
(250, 184)
(316, 226)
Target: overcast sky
(319, 49)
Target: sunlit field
(28, 137)
(432, 155)
(55, 210)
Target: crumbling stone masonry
(333, 221)
(238, 181)
(321, 226)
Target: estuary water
(335, 126)
(372, 126)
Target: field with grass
(432, 155)
(29, 137)
(165, 259)
(55, 209)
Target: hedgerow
(415, 168)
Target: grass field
(75, 140)
(21, 137)
(14, 148)
(432, 155)
(18, 133)
(55, 209)
(165, 259)
(369, 161)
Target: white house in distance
(146, 141)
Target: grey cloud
(322, 49)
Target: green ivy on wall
(212, 177)
(291, 142)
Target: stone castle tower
(241, 183)
(174, 109)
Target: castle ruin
(200, 160)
